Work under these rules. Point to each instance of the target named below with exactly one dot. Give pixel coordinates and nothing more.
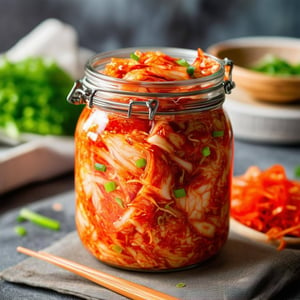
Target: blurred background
(109, 24)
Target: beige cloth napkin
(56, 40)
(53, 39)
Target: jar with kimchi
(153, 159)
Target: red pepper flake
(267, 201)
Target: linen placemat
(242, 270)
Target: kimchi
(153, 193)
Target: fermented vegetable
(163, 200)
(157, 66)
(267, 201)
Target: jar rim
(100, 90)
(98, 61)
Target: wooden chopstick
(121, 286)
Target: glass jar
(153, 166)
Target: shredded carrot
(267, 201)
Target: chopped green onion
(182, 62)
(274, 65)
(134, 56)
(141, 163)
(206, 151)
(180, 285)
(117, 248)
(35, 108)
(39, 219)
(297, 171)
(180, 193)
(190, 70)
(218, 133)
(110, 186)
(120, 202)
(100, 167)
(20, 230)
(20, 219)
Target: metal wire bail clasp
(228, 83)
(152, 106)
(79, 95)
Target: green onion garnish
(134, 56)
(190, 70)
(179, 193)
(110, 186)
(297, 171)
(206, 151)
(39, 219)
(180, 285)
(182, 62)
(20, 230)
(20, 219)
(141, 163)
(100, 167)
(117, 248)
(218, 133)
(120, 202)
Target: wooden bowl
(247, 52)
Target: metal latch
(152, 106)
(78, 95)
(82, 95)
(228, 83)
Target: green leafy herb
(20, 230)
(110, 186)
(141, 163)
(134, 56)
(33, 98)
(100, 167)
(39, 219)
(274, 65)
(206, 151)
(178, 193)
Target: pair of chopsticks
(121, 286)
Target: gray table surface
(246, 154)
